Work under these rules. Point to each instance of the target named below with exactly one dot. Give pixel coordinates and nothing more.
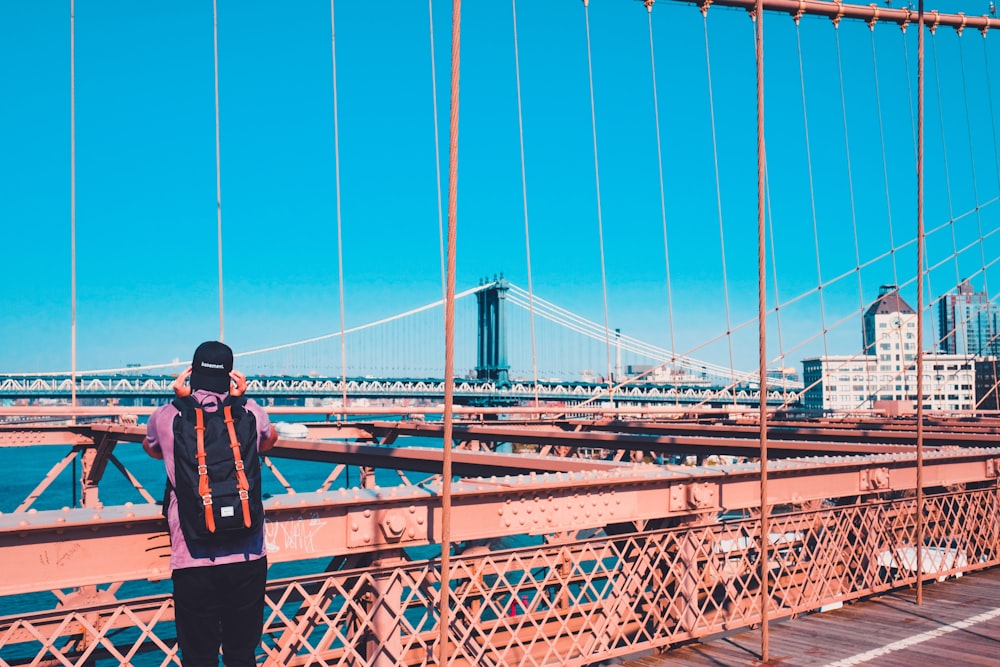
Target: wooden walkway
(958, 625)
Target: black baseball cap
(211, 366)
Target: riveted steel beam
(73, 547)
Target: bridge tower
(491, 359)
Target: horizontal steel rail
(567, 602)
(871, 13)
(86, 546)
(620, 557)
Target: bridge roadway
(958, 625)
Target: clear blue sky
(146, 216)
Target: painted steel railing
(561, 600)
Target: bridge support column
(491, 360)
(88, 484)
(385, 648)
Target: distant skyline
(146, 224)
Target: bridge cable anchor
(873, 19)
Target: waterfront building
(884, 375)
(968, 323)
(987, 384)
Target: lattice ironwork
(565, 603)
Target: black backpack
(218, 497)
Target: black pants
(220, 605)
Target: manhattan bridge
(390, 359)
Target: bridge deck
(958, 624)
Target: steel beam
(705, 444)
(73, 547)
(871, 13)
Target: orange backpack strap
(204, 489)
(241, 479)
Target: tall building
(884, 375)
(890, 324)
(968, 323)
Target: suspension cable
(718, 199)
(850, 183)
(993, 123)
(524, 197)
(944, 161)
(812, 191)
(340, 236)
(972, 163)
(920, 295)
(909, 90)
(885, 171)
(995, 389)
(218, 163)
(765, 533)
(437, 150)
(663, 199)
(72, 198)
(449, 337)
(774, 278)
(600, 219)
(958, 327)
(881, 135)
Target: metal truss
(562, 602)
(609, 558)
(126, 387)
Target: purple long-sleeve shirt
(160, 439)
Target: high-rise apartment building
(883, 375)
(968, 323)
(890, 326)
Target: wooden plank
(957, 624)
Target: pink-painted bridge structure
(558, 558)
(534, 534)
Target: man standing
(218, 582)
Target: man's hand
(180, 388)
(239, 382)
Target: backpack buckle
(239, 465)
(207, 499)
(202, 470)
(244, 495)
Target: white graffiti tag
(295, 534)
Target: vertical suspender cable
(72, 198)
(765, 537)
(920, 302)
(812, 194)
(909, 89)
(218, 163)
(975, 197)
(885, 167)
(718, 204)
(944, 166)
(663, 200)
(774, 278)
(972, 169)
(996, 163)
(881, 134)
(437, 149)
(524, 195)
(989, 97)
(600, 219)
(340, 236)
(449, 333)
(850, 176)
